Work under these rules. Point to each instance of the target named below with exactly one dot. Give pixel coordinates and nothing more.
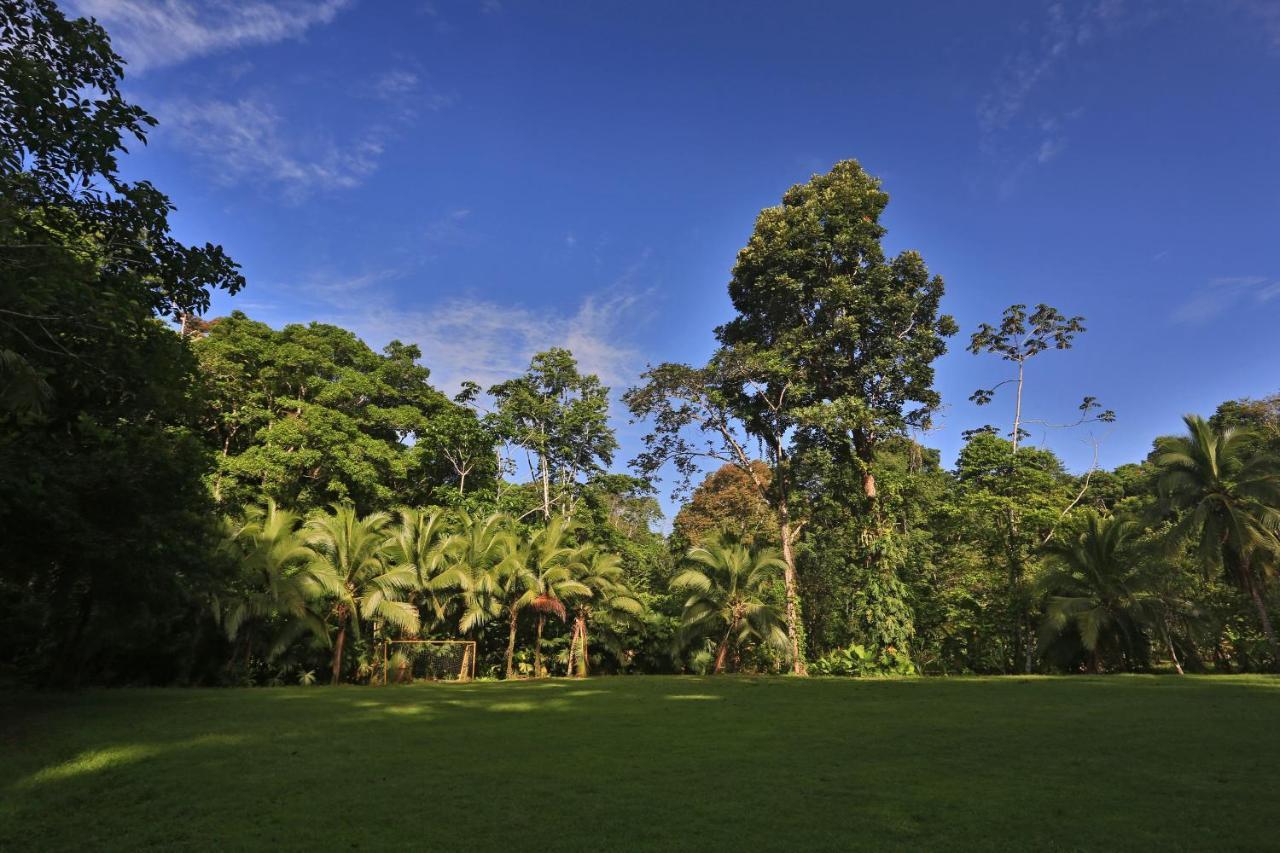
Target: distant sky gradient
(487, 179)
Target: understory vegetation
(209, 500)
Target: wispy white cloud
(1021, 141)
(450, 230)
(487, 342)
(1266, 14)
(248, 140)
(156, 33)
(1050, 148)
(1224, 294)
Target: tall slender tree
(558, 417)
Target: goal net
(406, 661)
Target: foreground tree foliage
(191, 500)
(106, 525)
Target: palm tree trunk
(721, 654)
(537, 648)
(1168, 638)
(578, 647)
(511, 645)
(337, 653)
(1265, 619)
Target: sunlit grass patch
(651, 763)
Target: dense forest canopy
(210, 500)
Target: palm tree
(1095, 587)
(351, 563)
(1229, 501)
(600, 572)
(544, 562)
(473, 559)
(418, 540)
(277, 566)
(727, 582)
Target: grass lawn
(651, 763)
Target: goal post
(405, 661)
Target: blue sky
(487, 179)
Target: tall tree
(106, 524)
(1228, 500)
(559, 418)
(311, 415)
(694, 420)
(850, 334)
(1018, 339)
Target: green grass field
(651, 763)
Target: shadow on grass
(650, 763)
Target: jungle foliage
(212, 500)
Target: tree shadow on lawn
(649, 763)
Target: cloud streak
(1064, 31)
(488, 342)
(248, 141)
(1225, 294)
(157, 33)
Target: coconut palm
(1229, 504)
(727, 583)
(280, 584)
(1096, 587)
(418, 540)
(600, 572)
(544, 562)
(351, 563)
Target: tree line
(211, 500)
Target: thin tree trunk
(721, 653)
(1168, 638)
(546, 489)
(511, 645)
(1265, 619)
(1017, 410)
(337, 653)
(537, 648)
(577, 649)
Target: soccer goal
(406, 661)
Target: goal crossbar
(466, 672)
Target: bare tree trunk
(1265, 619)
(578, 648)
(546, 489)
(511, 645)
(1168, 638)
(722, 652)
(1017, 410)
(537, 648)
(337, 653)
(789, 581)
